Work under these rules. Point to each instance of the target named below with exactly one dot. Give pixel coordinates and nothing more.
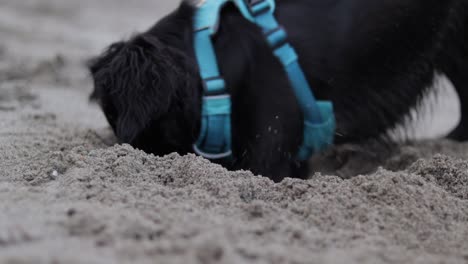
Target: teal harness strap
(214, 141)
(319, 119)
(215, 136)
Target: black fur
(373, 59)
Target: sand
(69, 194)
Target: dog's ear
(97, 64)
(140, 81)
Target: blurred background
(42, 28)
(46, 43)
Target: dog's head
(149, 90)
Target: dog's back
(377, 57)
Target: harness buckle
(318, 136)
(214, 141)
(277, 37)
(214, 86)
(258, 7)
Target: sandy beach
(70, 194)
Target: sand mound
(120, 203)
(68, 194)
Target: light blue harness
(215, 136)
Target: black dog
(373, 59)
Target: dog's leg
(269, 148)
(267, 121)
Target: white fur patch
(438, 114)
